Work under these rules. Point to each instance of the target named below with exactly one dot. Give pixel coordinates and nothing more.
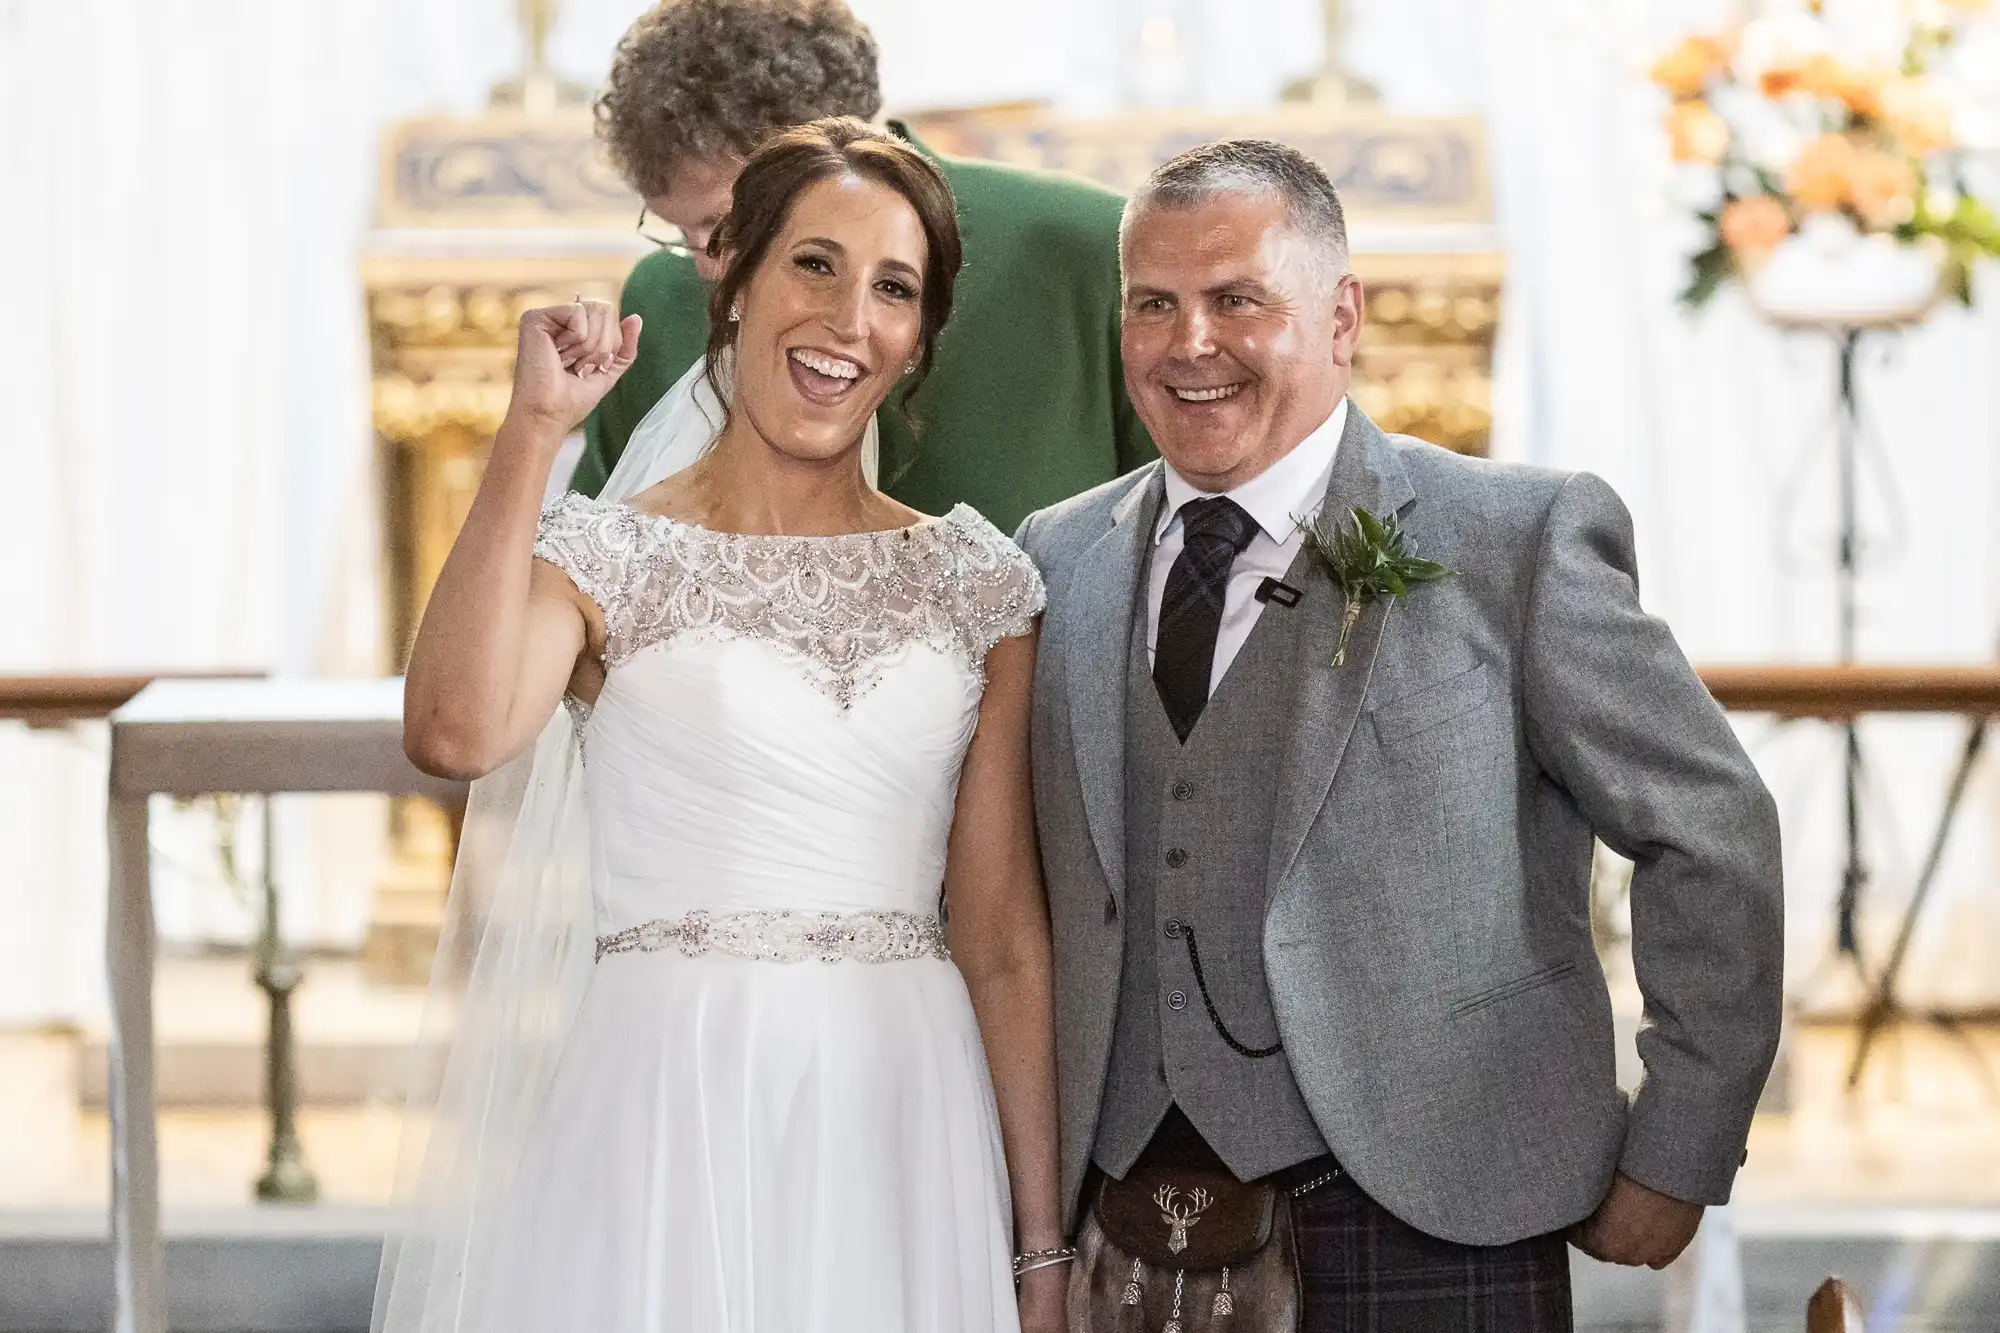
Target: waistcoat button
(1174, 928)
(1177, 1000)
(1176, 857)
(1183, 791)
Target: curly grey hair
(701, 80)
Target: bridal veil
(515, 954)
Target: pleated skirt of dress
(735, 1146)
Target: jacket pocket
(1434, 705)
(1507, 990)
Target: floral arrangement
(1883, 122)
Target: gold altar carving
(478, 219)
(1419, 212)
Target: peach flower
(1695, 133)
(1860, 87)
(1883, 188)
(1781, 79)
(1754, 226)
(1916, 112)
(1686, 70)
(1822, 176)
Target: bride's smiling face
(831, 317)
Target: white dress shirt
(1290, 489)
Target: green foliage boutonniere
(1366, 559)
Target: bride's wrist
(1039, 1240)
(1040, 1258)
(1053, 1278)
(531, 434)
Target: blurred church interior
(262, 266)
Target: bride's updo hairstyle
(782, 168)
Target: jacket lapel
(1368, 475)
(1099, 637)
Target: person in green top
(1025, 404)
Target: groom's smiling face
(1238, 340)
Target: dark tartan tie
(1216, 531)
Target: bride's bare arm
(999, 935)
(502, 632)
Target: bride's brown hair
(781, 169)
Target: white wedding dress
(772, 1113)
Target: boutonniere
(1366, 559)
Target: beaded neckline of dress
(847, 607)
(956, 513)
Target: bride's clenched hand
(567, 359)
(502, 635)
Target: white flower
(1973, 63)
(1772, 143)
(1695, 188)
(1927, 13)
(1981, 178)
(1740, 180)
(1769, 134)
(1975, 55)
(1977, 127)
(1784, 39)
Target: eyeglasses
(673, 242)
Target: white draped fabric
(184, 366)
(1094, 56)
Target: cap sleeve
(587, 540)
(1001, 590)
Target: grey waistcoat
(1198, 823)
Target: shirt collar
(1288, 490)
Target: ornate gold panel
(1419, 213)
(1392, 169)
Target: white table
(193, 738)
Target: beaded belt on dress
(788, 937)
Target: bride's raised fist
(567, 359)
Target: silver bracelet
(1033, 1259)
(1050, 1262)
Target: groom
(1326, 925)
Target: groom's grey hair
(1251, 166)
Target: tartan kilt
(1361, 1270)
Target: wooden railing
(1841, 692)
(1786, 690)
(54, 701)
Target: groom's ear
(1350, 305)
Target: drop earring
(910, 366)
(735, 312)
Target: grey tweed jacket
(1426, 930)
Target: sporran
(1185, 1250)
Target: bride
(717, 1066)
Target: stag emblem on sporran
(1219, 1254)
(1179, 1215)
